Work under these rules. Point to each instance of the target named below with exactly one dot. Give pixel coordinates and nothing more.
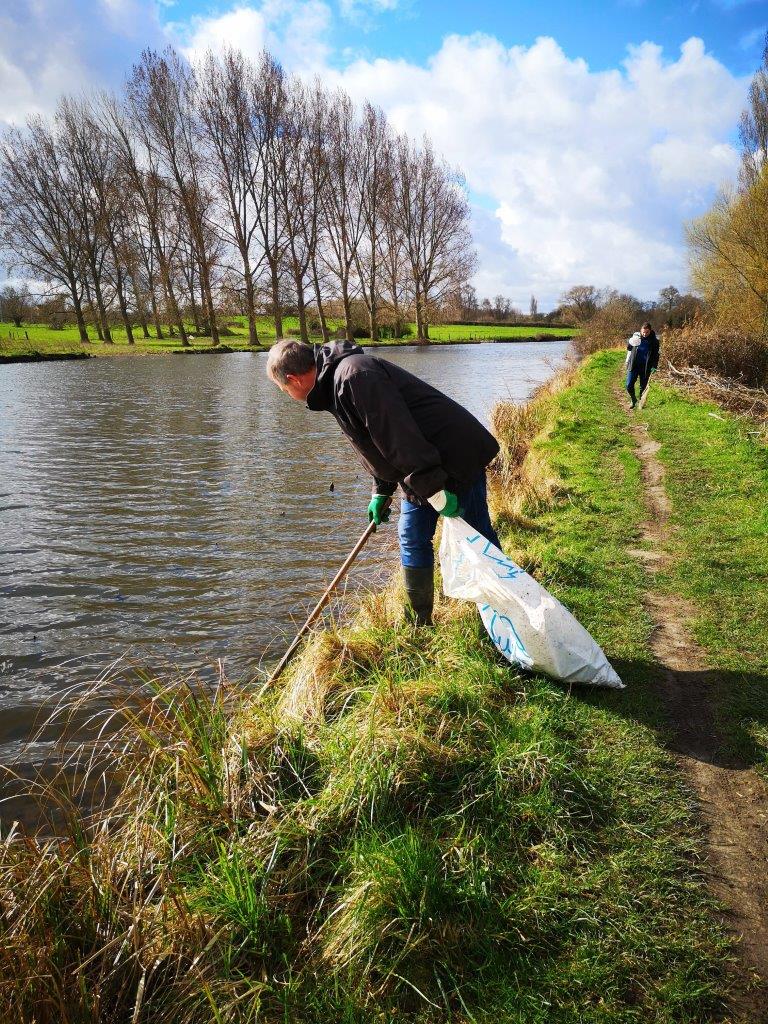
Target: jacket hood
(327, 358)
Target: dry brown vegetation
(521, 482)
(731, 354)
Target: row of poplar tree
(229, 185)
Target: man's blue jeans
(417, 524)
(637, 373)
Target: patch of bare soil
(733, 798)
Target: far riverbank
(37, 342)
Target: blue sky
(733, 30)
(589, 133)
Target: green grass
(407, 829)
(465, 332)
(717, 481)
(38, 338)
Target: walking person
(407, 434)
(642, 360)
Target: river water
(177, 511)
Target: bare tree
(267, 127)
(669, 297)
(87, 199)
(316, 110)
(343, 214)
(39, 227)
(226, 90)
(302, 178)
(433, 212)
(140, 165)
(103, 195)
(753, 126)
(375, 174)
(162, 91)
(15, 304)
(582, 301)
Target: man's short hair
(288, 356)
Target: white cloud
(52, 47)
(361, 11)
(589, 174)
(293, 30)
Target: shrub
(611, 325)
(727, 353)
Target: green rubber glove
(446, 503)
(378, 509)
(654, 369)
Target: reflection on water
(181, 510)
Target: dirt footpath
(733, 798)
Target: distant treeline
(230, 188)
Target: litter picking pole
(644, 395)
(314, 614)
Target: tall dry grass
(726, 353)
(521, 482)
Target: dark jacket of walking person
(405, 433)
(642, 360)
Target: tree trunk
(347, 309)
(165, 277)
(141, 309)
(250, 302)
(276, 311)
(419, 317)
(119, 280)
(301, 305)
(102, 311)
(155, 312)
(82, 329)
(373, 309)
(319, 300)
(373, 318)
(205, 279)
(91, 308)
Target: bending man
(406, 433)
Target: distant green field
(39, 338)
(466, 332)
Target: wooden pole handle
(315, 613)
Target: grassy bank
(407, 829)
(717, 480)
(38, 338)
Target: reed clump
(521, 481)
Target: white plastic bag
(529, 626)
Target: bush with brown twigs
(726, 353)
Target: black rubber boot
(420, 590)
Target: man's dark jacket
(405, 431)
